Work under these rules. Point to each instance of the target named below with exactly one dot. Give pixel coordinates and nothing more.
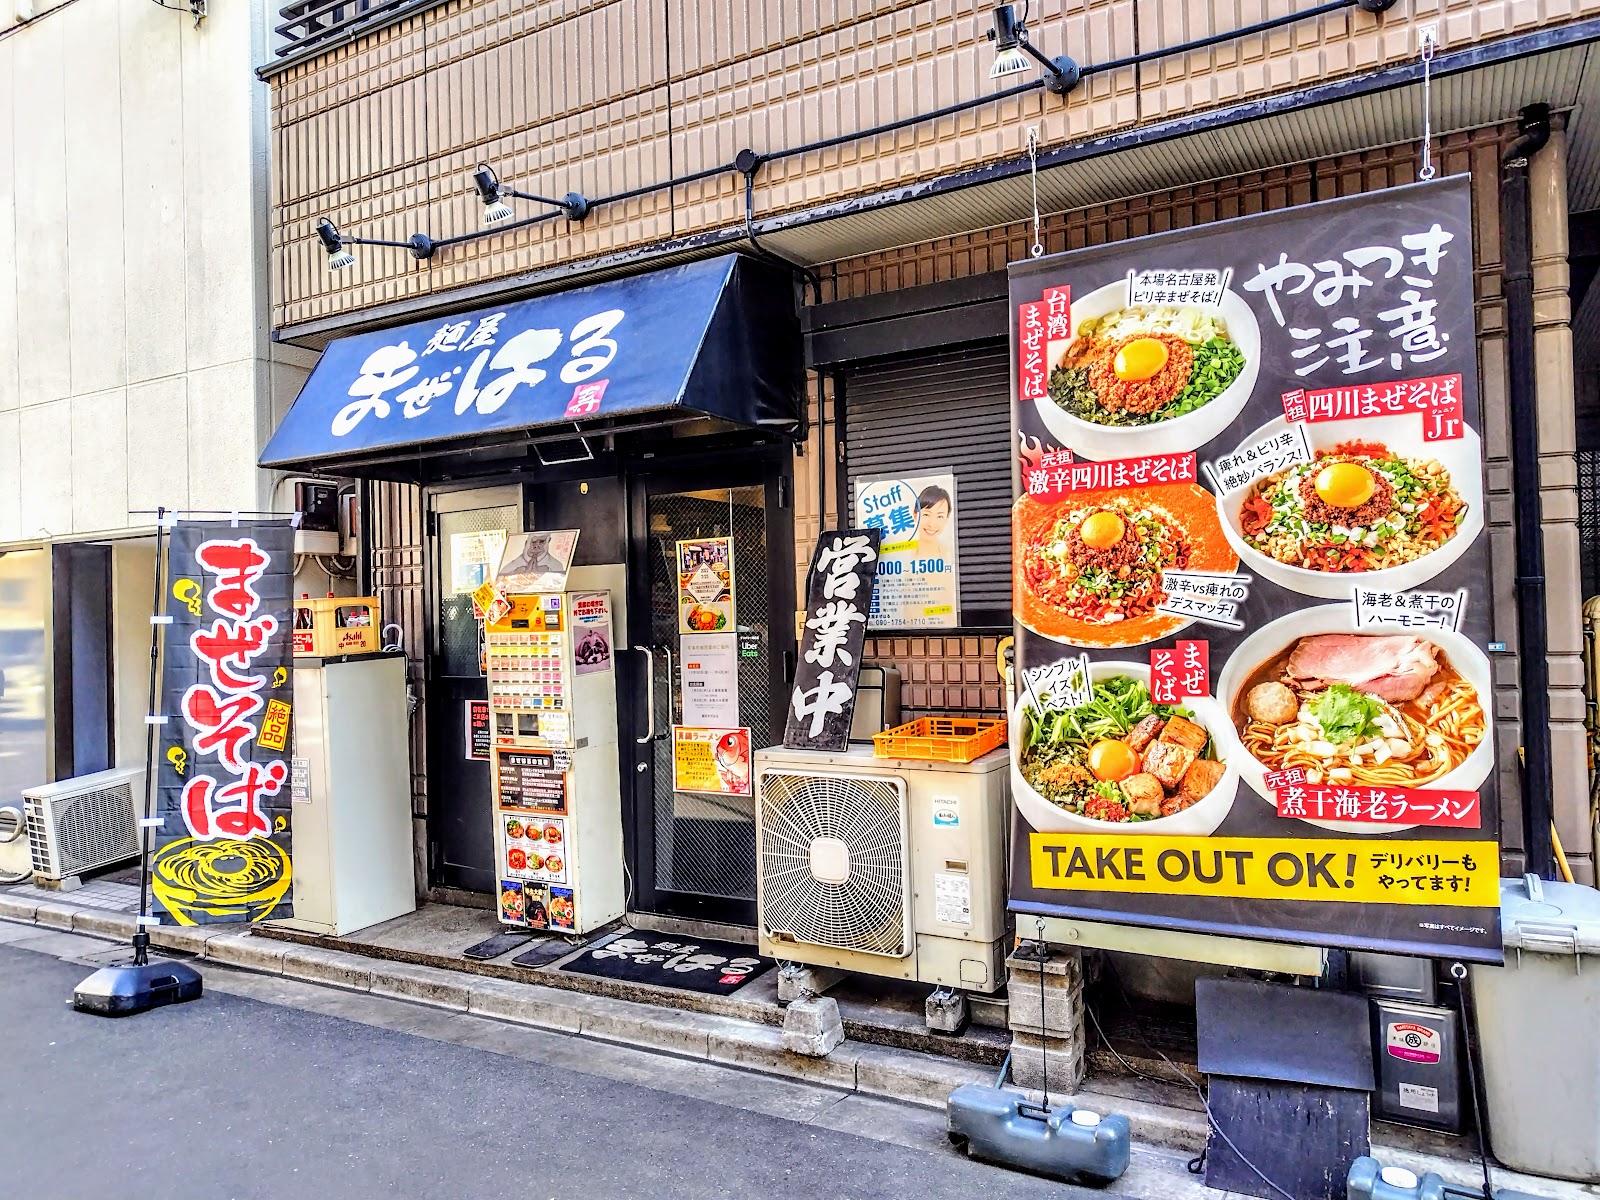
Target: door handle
(650, 695)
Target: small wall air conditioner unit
(889, 867)
(82, 824)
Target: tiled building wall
(606, 96)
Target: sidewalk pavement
(907, 1076)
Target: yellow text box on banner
(1348, 870)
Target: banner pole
(141, 934)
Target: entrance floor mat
(671, 961)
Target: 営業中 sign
(838, 593)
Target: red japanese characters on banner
(218, 713)
(1379, 805)
(1033, 371)
(1182, 670)
(1050, 482)
(1437, 398)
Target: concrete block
(812, 1026)
(946, 1011)
(761, 1048)
(797, 981)
(913, 1077)
(642, 1025)
(54, 915)
(427, 984)
(104, 922)
(1057, 1006)
(191, 939)
(525, 1003)
(316, 965)
(1034, 1059)
(246, 950)
(14, 907)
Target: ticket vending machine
(551, 666)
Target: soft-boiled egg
(1345, 485)
(1140, 359)
(1102, 530)
(1112, 760)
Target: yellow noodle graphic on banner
(1344, 869)
(227, 879)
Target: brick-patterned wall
(943, 675)
(604, 96)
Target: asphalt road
(231, 1097)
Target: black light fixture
(419, 245)
(492, 192)
(1013, 50)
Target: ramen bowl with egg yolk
(1088, 565)
(1148, 379)
(1375, 506)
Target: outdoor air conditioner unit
(82, 824)
(889, 867)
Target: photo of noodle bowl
(1373, 709)
(1121, 763)
(1376, 506)
(1148, 378)
(1088, 566)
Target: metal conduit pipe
(1533, 667)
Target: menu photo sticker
(513, 909)
(713, 760)
(563, 910)
(536, 562)
(1289, 731)
(705, 585)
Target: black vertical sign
(838, 595)
(222, 846)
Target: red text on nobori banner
(1379, 805)
(1436, 397)
(1050, 482)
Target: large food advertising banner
(1251, 581)
(227, 721)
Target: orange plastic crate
(942, 739)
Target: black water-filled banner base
(128, 988)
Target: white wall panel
(222, 446)
(93, 202)
(158, 444)
(9, 397)
(100, 461)
(10, 477)
(44, 472)
(39, 82)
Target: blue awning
(716, 338)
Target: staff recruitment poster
(1251, 581)
(223, 788)
(918, 585)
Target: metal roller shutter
(946, 410)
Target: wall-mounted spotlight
(492, 192)
(338, 257)
(1013, 50)
(419, 245)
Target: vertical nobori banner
(223, 798)
(1251, 581)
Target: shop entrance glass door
(468, 529)
(693, 853)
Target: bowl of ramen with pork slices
(1375, 507)
(1368, 707)
(1142, 379)
(1121, 763)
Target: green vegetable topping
(1346, 715)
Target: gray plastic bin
(1538, 1018)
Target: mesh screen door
(705, 845)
